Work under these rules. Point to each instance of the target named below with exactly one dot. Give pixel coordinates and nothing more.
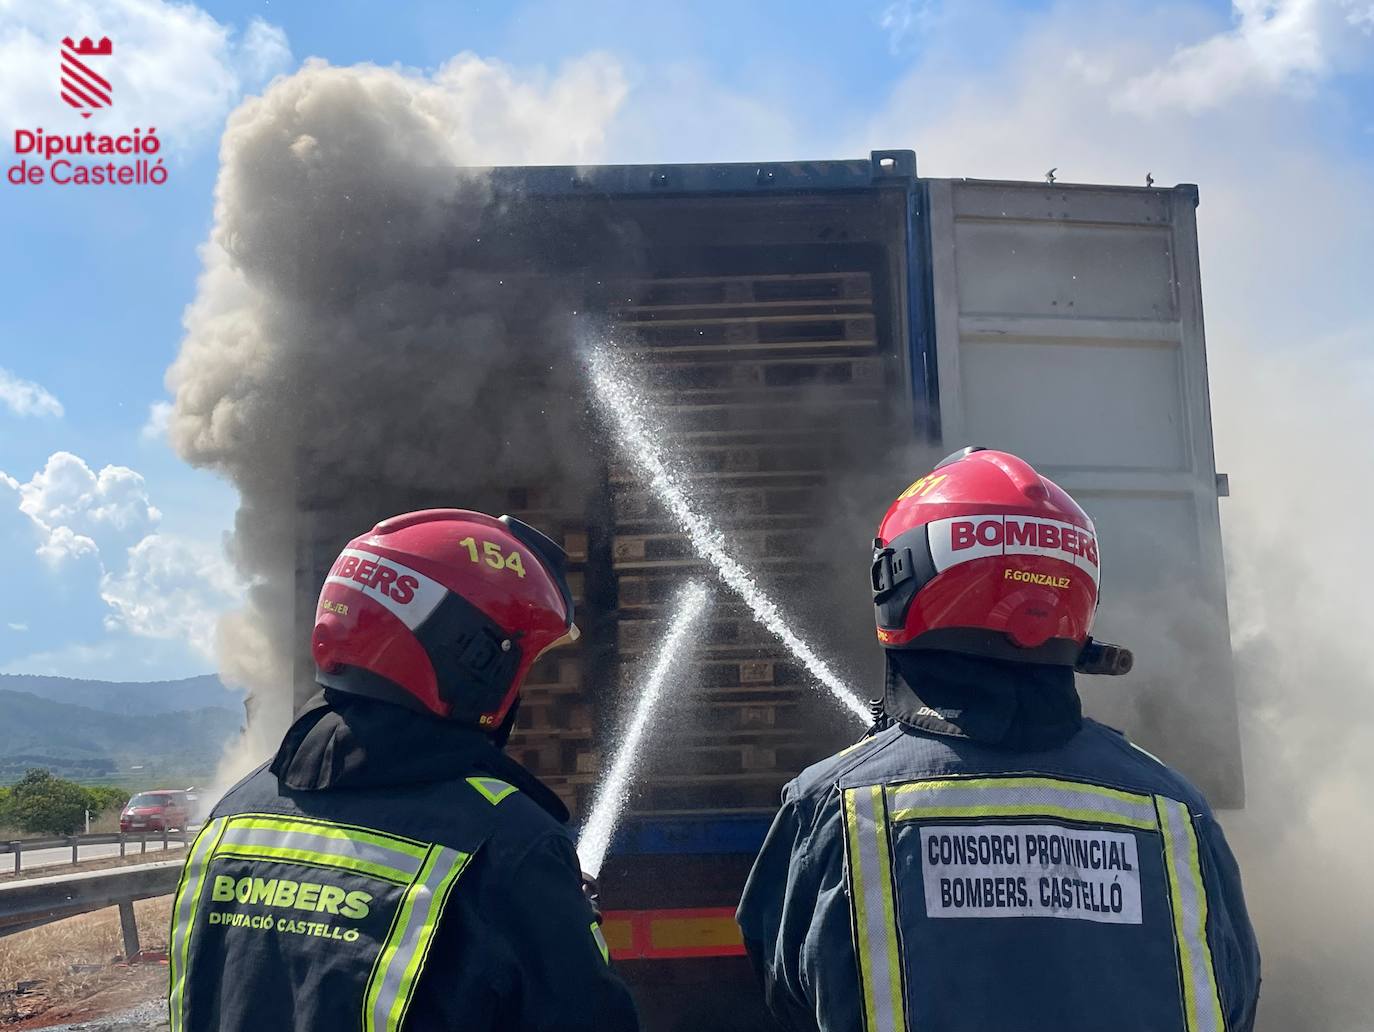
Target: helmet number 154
(493, 556)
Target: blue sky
(1269, 106)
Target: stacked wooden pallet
(555, 731)
(756, 377)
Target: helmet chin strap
(501, 735)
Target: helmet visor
(554, 560)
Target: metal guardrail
(32, 902)
(124, 839)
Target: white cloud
(159, 414)
(26, 398)
(78, 511)
(62, 544)
(18, 628)
(171, 588)
(904, 19)
(174, 67)
(96, 531)
(264, 51)
(1276, 45)
(681, 111)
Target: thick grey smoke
(1285, 228)
(341, 338)
(330, 161)
(1300, 575)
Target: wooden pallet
(732, 502)
(649, 590)
(708, 462)
(729, 621)
(763, 380)
(744, 544)
(558, 670)
(765, 374)
(667, 291)
(574, 789)
(812, 331)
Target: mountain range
(115, 730)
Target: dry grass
(51, 953)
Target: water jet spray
(623, 402)
(596, 835)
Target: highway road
(33, 860)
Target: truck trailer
(813, 336)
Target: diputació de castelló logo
(82, 86)
(87, 158)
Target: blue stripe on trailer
(741, 834)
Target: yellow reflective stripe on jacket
(493, 790)
(389, 858)
(1188, 899)
(403, 954)
(873, 891)
(183, 914)
(346, 833)
(427, 874)
(600, 941)
(869, 860)
(1021, 797)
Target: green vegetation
(41, 803)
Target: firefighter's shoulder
(523, 812)
(820, 778)
(1131, 766)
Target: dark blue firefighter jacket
(389, 872)
(928, 880)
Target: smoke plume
(1285, 227)
(339, 221)
(349, 327)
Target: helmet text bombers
(443, 610)
(985, 556)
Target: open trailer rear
(806, 328)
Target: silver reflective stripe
(329, 845)
(183, 914)
(1021, 796)
(1188, 896)
(393, 980)
(875, 929)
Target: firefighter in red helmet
(987, 857)
(391, 868)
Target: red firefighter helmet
(985, 556)
(444, 610)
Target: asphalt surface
(36, 858)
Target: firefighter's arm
(775, 916)
(1235, 953)
(565, 981)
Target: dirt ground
(71, 970)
